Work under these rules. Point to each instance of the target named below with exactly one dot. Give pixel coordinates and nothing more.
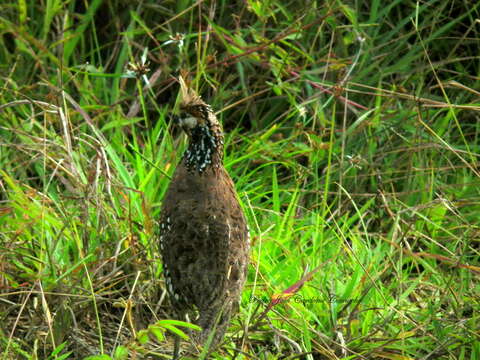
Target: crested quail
(204, 239)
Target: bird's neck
(205, 149)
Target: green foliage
(352, 135)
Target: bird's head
(194, 112)
(203, 129)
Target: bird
(204, 237)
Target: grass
(351, 134)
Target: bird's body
(204, 238)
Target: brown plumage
(204, 238)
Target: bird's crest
(189, 96)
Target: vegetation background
(352, 135)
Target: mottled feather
(204, 238)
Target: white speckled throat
(205, 149)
